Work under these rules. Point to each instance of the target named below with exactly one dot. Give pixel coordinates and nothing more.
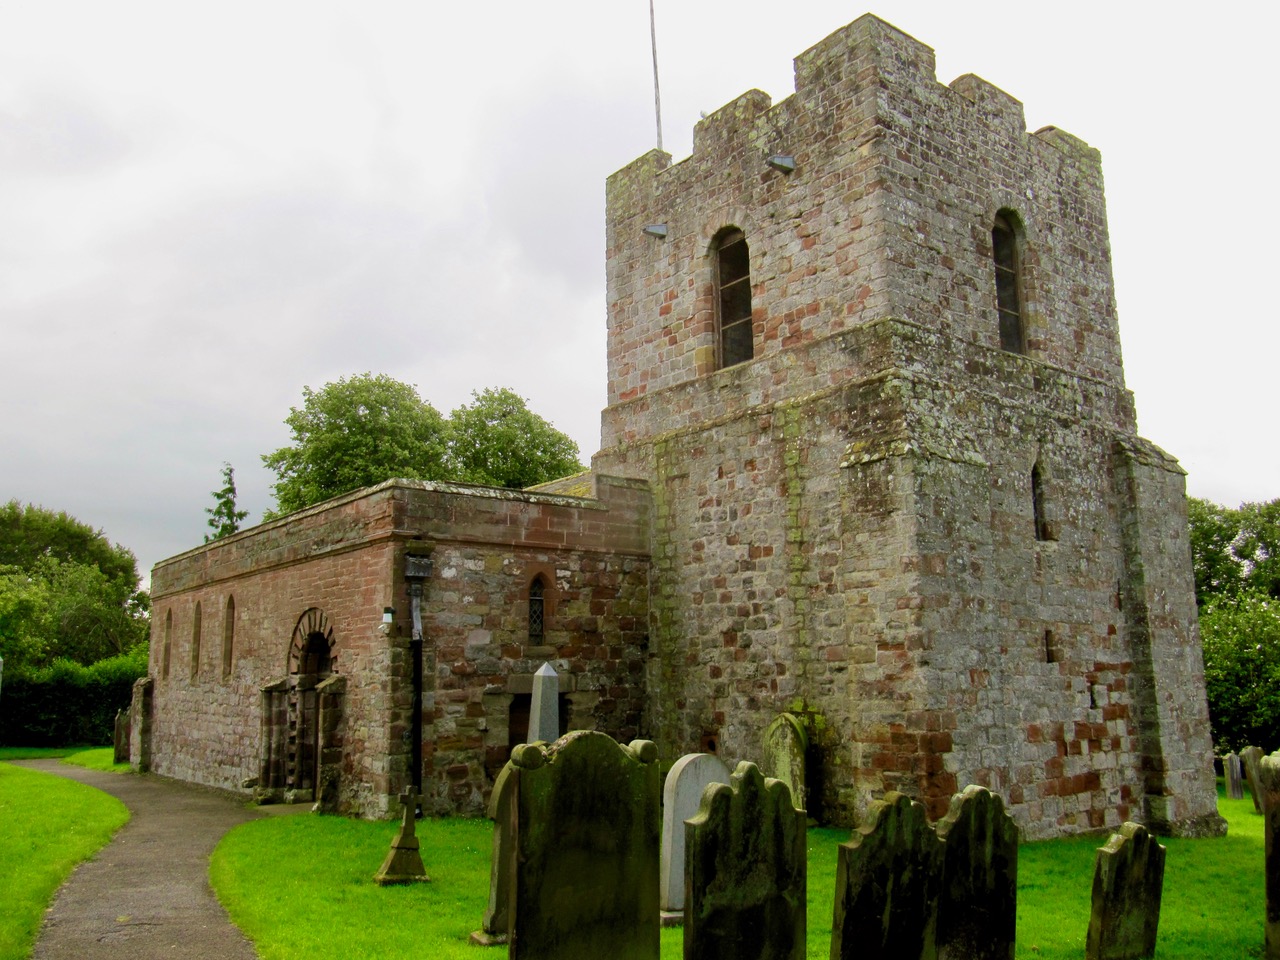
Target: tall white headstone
(544, 710)
(681, 794)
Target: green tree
(1213, 531)
(354, 433)
(1241, 637)
(224, 518)
(498, 441)
(1258, 546)
(28, 533)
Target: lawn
(47, 826)
(302, 887)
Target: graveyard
(303, 886)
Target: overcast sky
(205, 207)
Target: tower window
(168, 643)
(1044, 530)
(733, 298)
(1004, 250)
(537, 611)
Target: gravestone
(497, 915)
(888, 876)
(587, 825)
(785, 742)
(404, 863)
(978, 901)
(745, 870)
(1267, 786)
(1231, 767)
(120, 738)
(544, 707)
(1251, 757)
(1128, 879)
(681, 795)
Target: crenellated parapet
(887, 210)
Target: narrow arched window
(537, 610)
(168, 643)
(195, 642)
(1004, 251)
(1044, 531)
(733, 298)
(228, 635)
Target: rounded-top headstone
(681, 794)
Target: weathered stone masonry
(845, 525)
(917, 515)
(332, 570)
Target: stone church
(868, 458)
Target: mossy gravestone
(585, 882)
(785, 742)
(978, 902)
(1128, 880)
(681, 797)
(745, 862)
(1235, 779)
(1252, 758)
(1266, 790)
(887, 880)
(497, 915)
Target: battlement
(870, 192)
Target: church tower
(863, 347)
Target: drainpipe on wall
(416, 570)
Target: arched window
(1005, 253)
(537, 610)
(733, 298)
(228, 635)
(195, 642)
(168, 643)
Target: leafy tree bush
(28, 533)
(354, 433)
(67, 702)
(498, 441)
(366, 429)
(65, 591)
(1241, 638)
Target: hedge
(68, 703)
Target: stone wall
(845, 526)
(333, 568)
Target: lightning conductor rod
(657, 98)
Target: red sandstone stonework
(956, 564)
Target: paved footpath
(146, 895)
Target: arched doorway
(300, 715)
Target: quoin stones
(745, 866)
(681, 796)
(585, 883)
(1128, 881)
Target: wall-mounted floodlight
(388, 615)
(782, 163)
(658, 230)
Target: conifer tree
(224, 518)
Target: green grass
(37, 753)
(98, 758)
(322, 902)
(47, 826)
